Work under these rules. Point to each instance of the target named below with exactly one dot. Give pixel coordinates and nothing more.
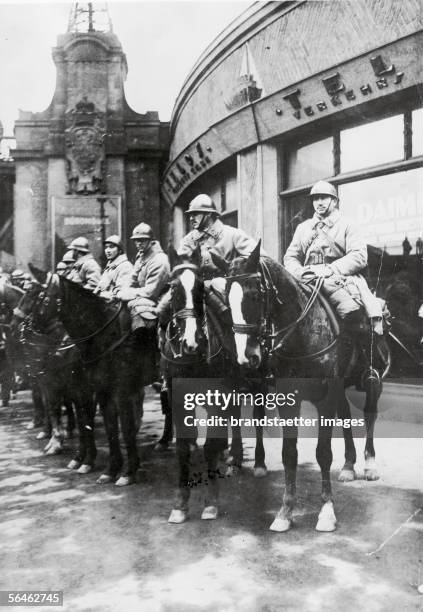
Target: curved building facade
(293, 92)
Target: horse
(196, 345)
(116, 363)
(54, 367)
(291, 332)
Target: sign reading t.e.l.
(93, 216)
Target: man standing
(85, 270)
(118, 271)
(149, 279)
(328, 246)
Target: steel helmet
(18, 274)
(115, 240)
(323, 188)
(61, 266)
(80, 244)
(142, 230)
(202, 204)
(68, 257)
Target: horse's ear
(39, 275)
(196, 256)
(173, 257)
(253, 259)
(219, 262)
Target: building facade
(88, 165)
(293, 92)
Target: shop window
(297, 208)
(417, 123)
(388, 209)
(372, 144)
(310, 163)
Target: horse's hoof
(124, 481)
(54, 449)
(41, 435)
(104, 479)
(209, 513)
(73, 464)
(260, 472)
(370, 470)
(161, 447)
(84, 469)
(347, 475)
(177, 516)
(327, 519)
(281, 524)
(232, 470)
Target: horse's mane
(89, 298)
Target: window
(388, 209)
(417, 123)
(310, 162)
(372, 144)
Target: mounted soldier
(67, 260)
(118, 272)
(330, 247)
(210, 236)
(85, 270)
(17, 278)
(149, 279)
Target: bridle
(272, 340)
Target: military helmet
(142, 230)
(68, 257)
(18, 274)
(80, 244)
(61, 266)
(202, 204)
(115, 240)
(323, 188)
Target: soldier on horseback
(210, 235)
(328, 246)
(149, 280)
(118, 271)
(85, 271)
(65, 265)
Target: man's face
(199, 220)
(111, 251)
(142, 244)
(323, 204)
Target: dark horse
(117, 364)
(55, 371)
(295, 336)
(197, 346)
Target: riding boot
(350, 324)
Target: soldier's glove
(127, 294)
(321, 270)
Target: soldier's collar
(328, 221)
(214, 230)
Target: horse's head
(246, 301)
(187, 292)
(39, 303)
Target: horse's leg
(213, 446)
(373, 388)
(85, 409)
(78, 458)
(179, 513)
(235, 454)
(52, 399)
(167, 434)
(125, 407)
(260, 469)
(283, 520)
(110, 417)
(70, 415)
(138, 407)
(327, 410)
(347, 474)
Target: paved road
(111, 549)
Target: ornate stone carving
(85, 129)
